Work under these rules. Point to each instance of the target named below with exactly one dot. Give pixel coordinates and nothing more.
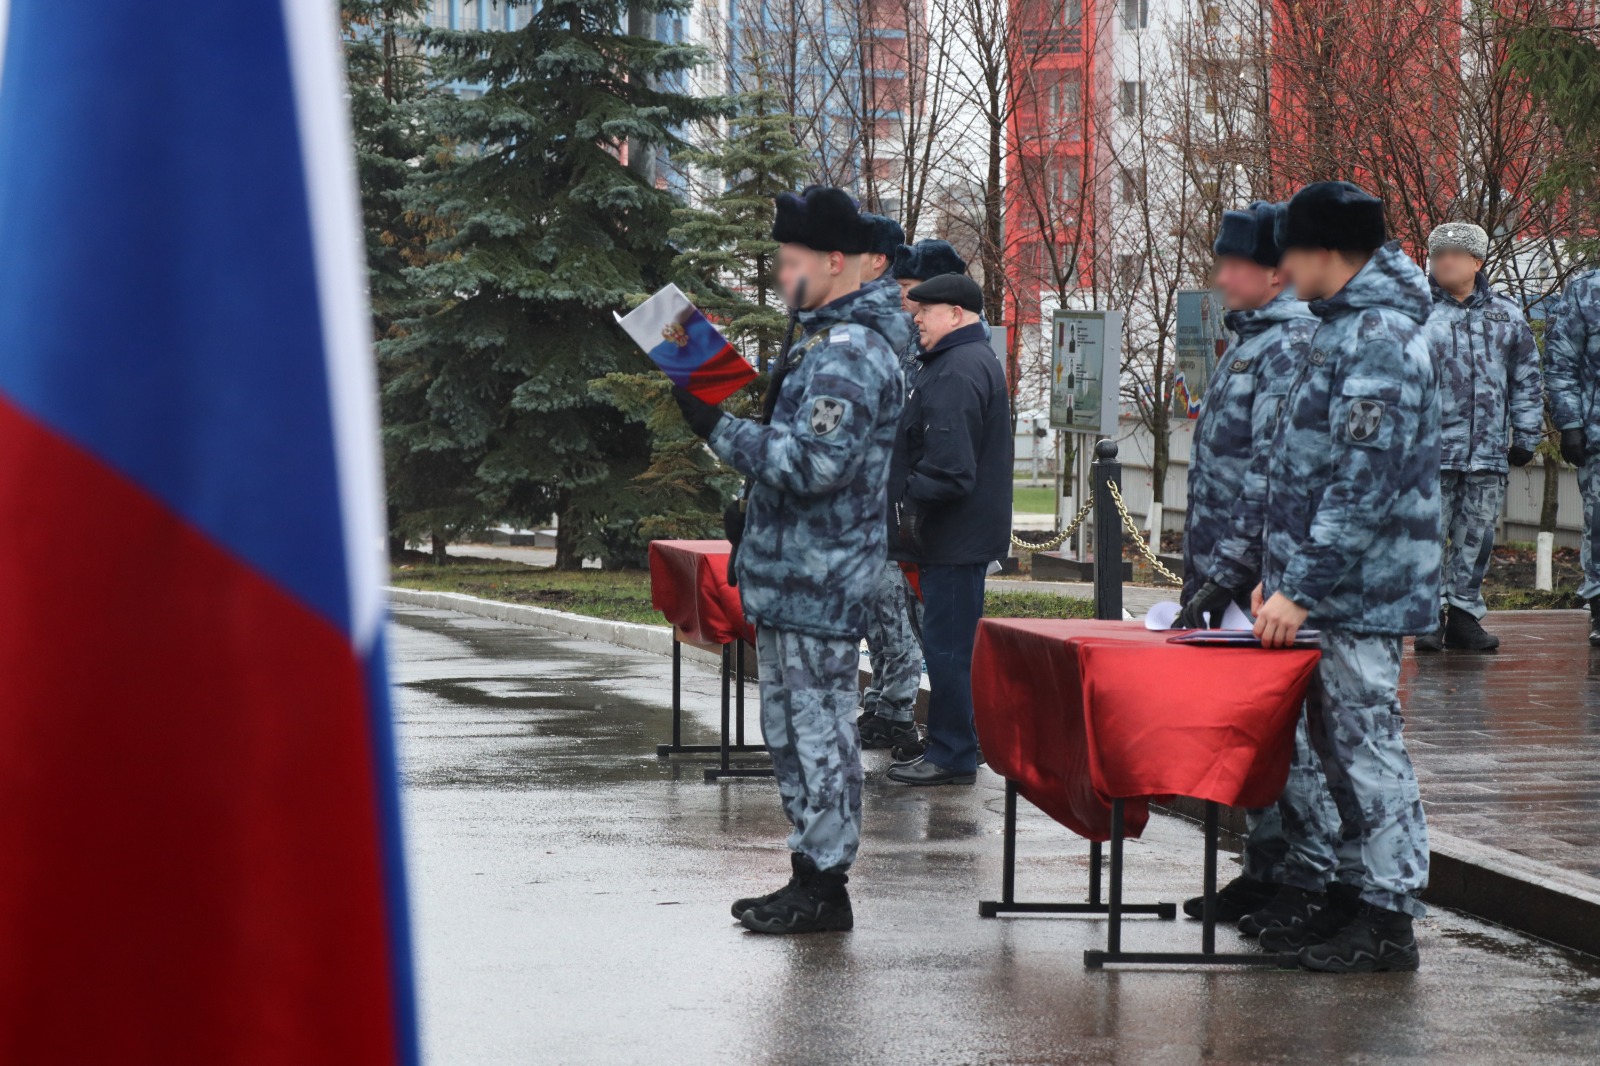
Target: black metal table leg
(1007, 903)
(723, 770)
(739, 680)
(1208, 955)
(678, 747)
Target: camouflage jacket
(1352, 522)
(815, 528)
(1572, 354)
(1228, 465)
(879, 309)
(1490, 393)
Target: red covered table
(689, 585)
(1091, 719)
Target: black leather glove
(1573, 445)
(911, 521)
(1210, 598)
(1519, 455)
(701, 416)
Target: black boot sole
(1398, 961)
(834, 921)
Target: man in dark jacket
(950, 489)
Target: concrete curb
(1499, 886)
(636, 635)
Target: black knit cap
(1251, 234)
(1333, 214)
(926, 259)
(823, 219)
(957, 289)
(886, 234)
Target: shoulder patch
(1237, 365)
(826, 414)
(1365, 418)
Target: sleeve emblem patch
(826, 414)
(1365, 418)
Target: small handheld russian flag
(680, 339)
(198, 808)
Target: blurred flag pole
(198, 803)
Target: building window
(1132, 180)
(1067, 184)
(1132, 99)
(1135, 14)
(1130, 267)
(1066, 101)
(439, 14)
(1211, 15)
(1071, 12)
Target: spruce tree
(546, 232)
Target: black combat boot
(815, 902)
(1344, 901)
(1594, 622)
(879, 732)
(1433, 641)
(910, 749)
(1235, 899)
(1375, 941)
(1463, 633)
(797, 863)
(1290, 907)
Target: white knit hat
(1459, 237)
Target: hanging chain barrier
(1128, 523)
(1060, 538)
(1138, 540)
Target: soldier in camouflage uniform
(1352, 546)
(813, 549)
(1289, 852)
(1572, 378)
(894, 643)
(1491, 411)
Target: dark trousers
(952, 603)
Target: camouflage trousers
(894, 646)
(1469, 506)
(1294, 842)
(1353, 718)
(1589, 485)
(808, 703)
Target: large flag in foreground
(199, 849)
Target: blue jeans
(952, 603)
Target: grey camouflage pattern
(1294, 841)
(1491, 394)
(894, 649)
(1589, 549)
(1470, 504)
(1228, 463)
(1353, 711)
(1352, 518)
(816, 529)
(808, 703)
(1572, 356)
(879, 310)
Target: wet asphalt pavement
(570, 895)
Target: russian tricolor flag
(199, 846)
(680, 339)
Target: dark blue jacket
(952, 456)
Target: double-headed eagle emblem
(675, 333)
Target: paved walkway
(1507, 745)
(570, 894)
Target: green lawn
(624, 595)
(1040, 500)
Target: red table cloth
(689, 585)
(1079, 713)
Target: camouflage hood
(877, 306)
(1389, 281)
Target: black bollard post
(1107, 532)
